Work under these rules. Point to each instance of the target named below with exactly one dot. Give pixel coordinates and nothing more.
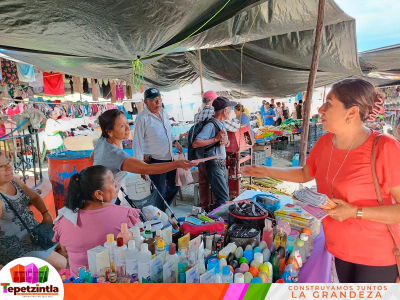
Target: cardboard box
(267, 149)
(98, 258)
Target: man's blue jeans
(165, 182)
(218, 178)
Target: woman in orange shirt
(355, 231)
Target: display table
(317, 269)
(178, 130)
(79, 143)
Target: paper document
(206, 159)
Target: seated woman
(15, 240)
(109, 153)
(89, 215)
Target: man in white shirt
(153, 142)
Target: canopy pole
(311, 82)
(201, 72)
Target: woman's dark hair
(107, 120)
(357, 92)
(240, 107)
(83, 185)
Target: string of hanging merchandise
(72, 102)
(137, 65)
(241, 74)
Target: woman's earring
(348, 121)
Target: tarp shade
(99, 39)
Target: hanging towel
(128, 91)
(26, 73)
(53, 84)
(9, 72)
(78, 87)
(37, 84)
(95, 91)
(113, 92)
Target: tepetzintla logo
(30, 274)
(30, 277)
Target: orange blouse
(356, 240)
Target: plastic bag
(183, 177)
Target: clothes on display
(78, 88)
(113, 92)
(120, 95)
(129, 93)
(95, 90)
(106, 90)
(85, 86)
(9, 73)
(26, 73)
(37, 84)
(53, 84)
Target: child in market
(88, 215)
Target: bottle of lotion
(131, 261)
(148, 234)
(110, 245)
(119, 257)
(144, 259)
(125, 233)
(136, 236)
(268, 232)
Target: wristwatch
(359, 214)
(173, 143)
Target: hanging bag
(396, 250)
(42, 235)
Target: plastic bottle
(239, 278)
(160, 249)
(268, 232)
(308, 232)
(158, 235)
(110, 245)
(171, 253)
(141, 228)
(182, 266)
(119, 257)
(275, 261)
(291, 243)
(302, 250)
(280, 238)
(144, 258)
(131, 260)
(148, 233)
(136, 236)
(227, 275)
(222, 264)
(125, 233)
(307, 246)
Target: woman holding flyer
(342, 163)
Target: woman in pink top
(88, 216)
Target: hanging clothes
(53, 84)
(26, 73)
(113, 92)
(120, 92)
(129, 93)
(9, 72)
(95, 91)
(106, 90)
(78, 88)
(85, 86)
(37, 84)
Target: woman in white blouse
(54, 138)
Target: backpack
(197, 153)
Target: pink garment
(13, 112)
(120, 92)
(91, 231)
(2, 130)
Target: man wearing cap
(153, 142)
(216, 168)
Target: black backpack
(197, 153)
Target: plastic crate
(296, 147)
(259, 158)
(279, 145)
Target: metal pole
(201, 72)
(311, 82)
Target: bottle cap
(307, 231)
(144, 248)
(300, 243)
(135, 232)
(124, 227)
(158, 231)
(226, 270)
(160, 244)
(132, 245)
(304, 237)
(110, 238)
(140, 224)
(172, 249)
(120, 242)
